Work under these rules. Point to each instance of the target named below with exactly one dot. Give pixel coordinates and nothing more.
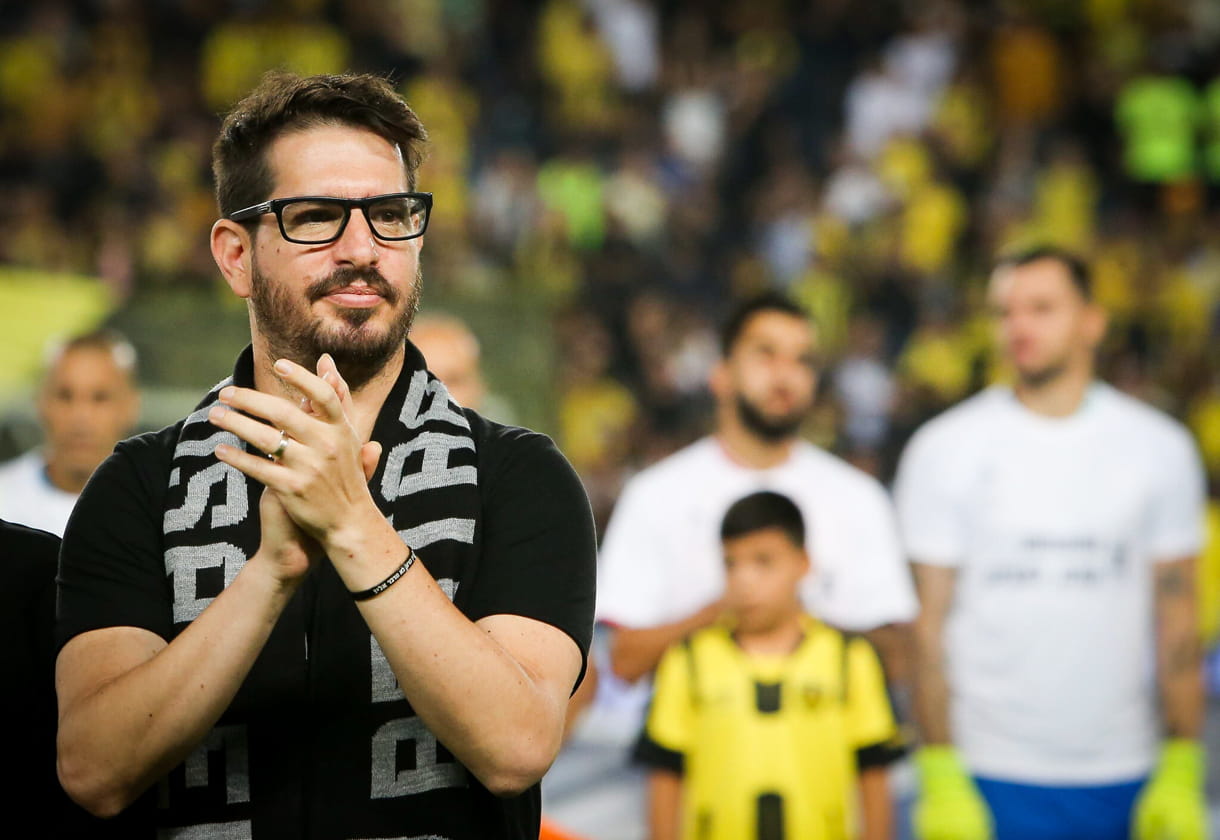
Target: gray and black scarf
(319, 737)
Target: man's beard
(769, 428)
(292, 331)
(1043, 376)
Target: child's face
(763, 570)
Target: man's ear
(1096, 324)
(232, 248)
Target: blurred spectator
(635, 200)
(1159, 117)
(577, 66)
(1211, 130)
(854, 193)
(939, 355)
(864, 386)
(236, 52)
(630, 29)
(572, 185)
(787, 235)
(451, 351)
(694, 112)
(932, 221)
(596, 412)
(454, 356)
(505, 206)
(1065, 199)
(879, 105)
(450, 109)
(87, 402)
(1027, 68)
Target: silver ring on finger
(283, 445)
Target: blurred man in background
(1054, 527)
(660, 572)
(452, 352)
(87, 402)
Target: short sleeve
(870, 718)
(930, 517)
(111, 565)
(1176, 521)
(539, 552)
(668, 730)
(880, 591)
(631, 581)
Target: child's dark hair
(763, 510)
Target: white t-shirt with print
(1054, 525)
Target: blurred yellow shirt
(940, 358)
(931, 224)
(774, 736)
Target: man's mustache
(344, 277)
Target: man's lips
(354, 297)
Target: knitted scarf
(320, 712)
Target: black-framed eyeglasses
(319, 219)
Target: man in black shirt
(330, 602)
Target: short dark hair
(769, 301)
(1077, 268)
(760, 511)
(284, 102)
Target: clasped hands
(318, 484)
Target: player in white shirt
(1054, 526)
(87, 402)
(660, 575)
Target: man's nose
(81, 412)
(793, 369)
(358, 245)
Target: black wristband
(365, 594)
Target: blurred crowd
(634, 167)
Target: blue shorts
(1025, 812)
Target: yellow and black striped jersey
(769, 746)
